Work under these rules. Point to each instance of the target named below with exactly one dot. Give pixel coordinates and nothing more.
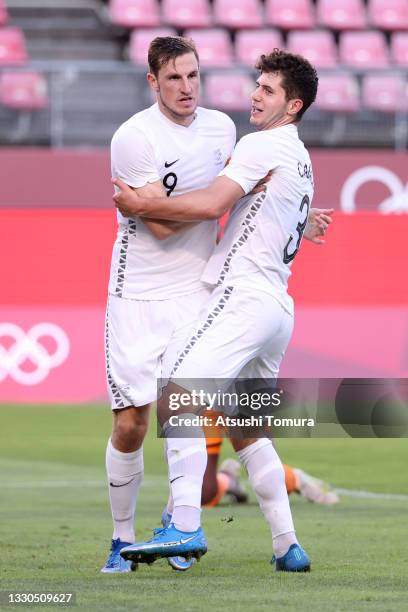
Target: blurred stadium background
(72, 70)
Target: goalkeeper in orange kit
(224, 481)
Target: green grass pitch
(55, 525)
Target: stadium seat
(23, 90)
(214, 46)
(318, 46)
(237, 14)
(12, 47)
(140, 41)
(399, 48)
(250, 44)
(363, 49)
(229, 91)
(186, 14)
(3, 13)
(134, 13)
(290, 14)
(338, 92)
(385, 92)
(341, 14)
(388, 14)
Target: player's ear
(294, 106)
(152, 80)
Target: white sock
(267, 477)
(187, 460)
(125, 475)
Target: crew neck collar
(173, 124)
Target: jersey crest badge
(218, 157)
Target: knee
(129, 429)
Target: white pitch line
(371, 495)
(55, 484)
(52, 484)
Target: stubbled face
(177, 88)
(269, 105)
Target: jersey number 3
(300, 228)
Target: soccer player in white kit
(155, 291)
(245, 327)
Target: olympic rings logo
(396, 202)
(27, 346)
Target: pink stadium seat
(12, 47)
(134, 13)
(186, 14)
(214, 46)
(238, 14)
(250, 44)
(341, 14)
(385, 92)
(318, 46)
(24, 90)
(338, 92)
(229, 91)
(3, 13)
(388, 14)
(140, 41)
(290, 14)
(363, 49)
(399, 48)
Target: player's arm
(160, 228)
(202, 204)
(132, 157)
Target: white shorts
(142, 342)
(241, 333)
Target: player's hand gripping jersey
(147, 148)
(264, 231)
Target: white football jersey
(264, 231)
(149, 147)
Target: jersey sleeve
(132, 158)
(232, 137)
(250, 162)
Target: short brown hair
(299, 78)
(165, 48)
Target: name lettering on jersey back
(305, 171)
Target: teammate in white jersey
(155, 291)
(245, 328)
